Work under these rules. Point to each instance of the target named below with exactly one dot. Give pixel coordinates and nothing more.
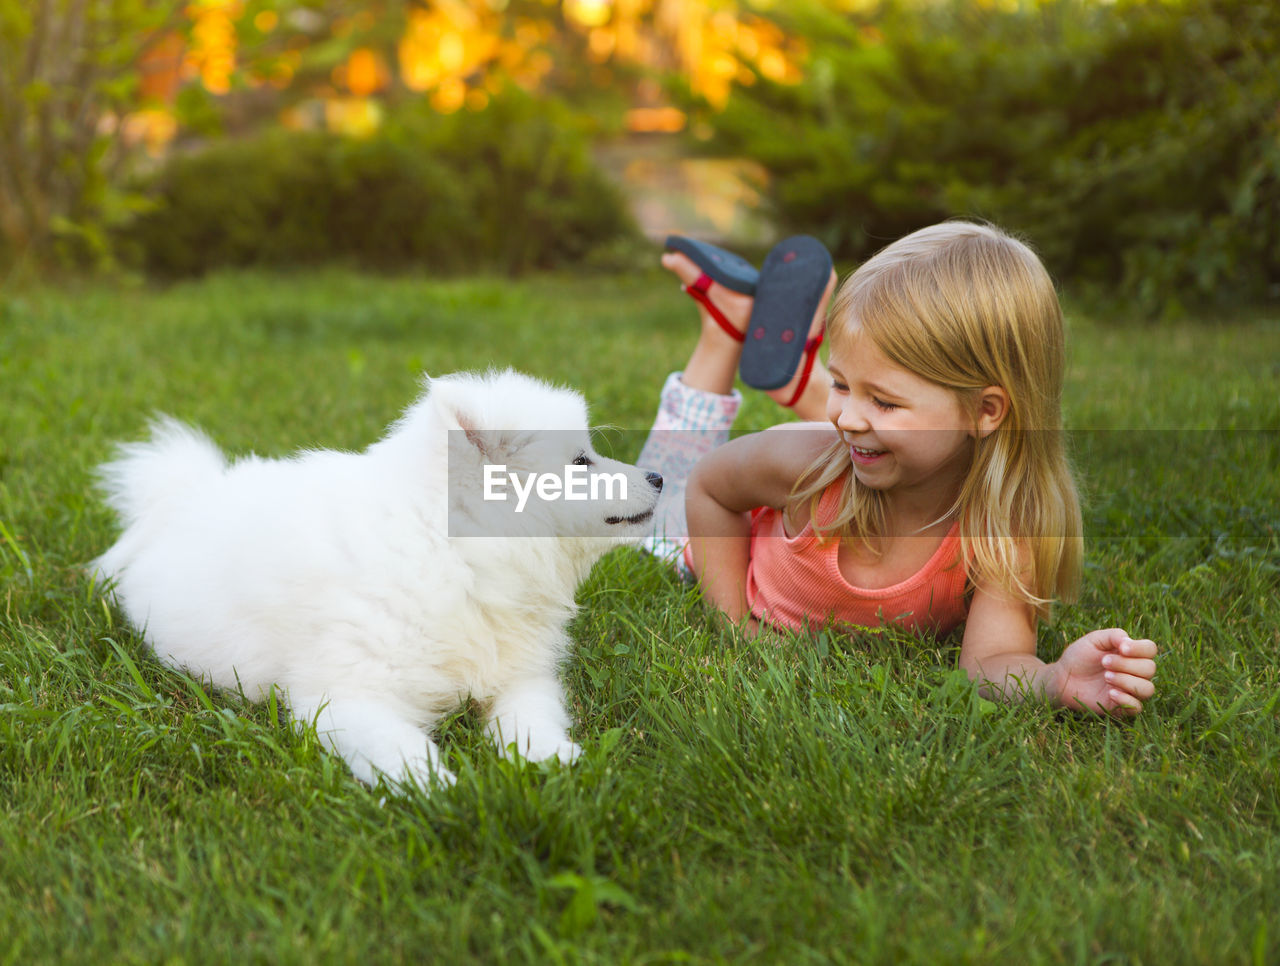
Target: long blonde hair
(967, 306)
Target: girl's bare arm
(748, 472)
(1104, 672)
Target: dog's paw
(565, 751)
(568, 751)
(552, 749)
(422, 773)
(417, 772)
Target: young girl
(939, 492)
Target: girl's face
(904, 433)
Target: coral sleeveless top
(795, 581)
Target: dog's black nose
(655, 480)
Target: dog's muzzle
(655, 481)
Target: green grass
(841, 798)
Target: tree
(68, 73)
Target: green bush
(511, 188)
(1137, 145)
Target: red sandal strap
(698, 292)
(810, 355)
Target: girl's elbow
(701, 479)
(970, 665)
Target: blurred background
(1135, 144)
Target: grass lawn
(845, 798)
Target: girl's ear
(993, 407)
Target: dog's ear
(483, 442)
(462, 421)
(465, 406)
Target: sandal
(790, 286)
(722, 267)
(719, 267)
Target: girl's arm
(726, 485)
(1106, 671)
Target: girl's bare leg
(713, 363)
(697, 407)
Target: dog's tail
(147, 476)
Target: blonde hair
(967, 306)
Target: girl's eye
(839, 386)
(883, 406)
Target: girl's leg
(698, 404)
(695, 411)
(690, 423)
(714, 361)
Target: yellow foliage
(456, 42)
(588, 13)
(449, 96)
(212, 54)
(656, 119)
(154, 128)
(456, 51)
(365, 72)
(444, 45)
(353, 116)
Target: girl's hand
(1106, 672)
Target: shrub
(510, 188)
(1137, 145)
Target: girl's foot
(721, 266)
(734, 308)
(713, 364)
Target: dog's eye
(582, 460)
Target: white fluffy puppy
(379, 589)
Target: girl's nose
(853, 418)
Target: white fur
(335, 575)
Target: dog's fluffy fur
(341, 577)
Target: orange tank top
(796, 581)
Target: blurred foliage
(65, 65)
(94, 91)
(74, 81)
(1136, 145)
(510, 188)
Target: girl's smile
(863, 456)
